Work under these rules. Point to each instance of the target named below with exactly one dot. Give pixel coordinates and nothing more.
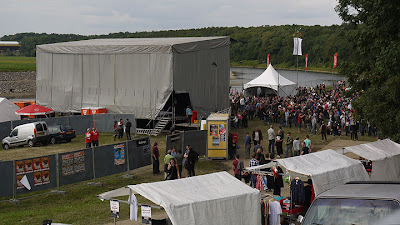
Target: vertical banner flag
(335, 60)
(267, 60)
(297, 46)
(306, 61)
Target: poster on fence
(45, 163)
(119, 154)
(37, 165)
(20, 167)
(28, 166)
(146, 214)
(68, 164)
(19, 184)
(37, 178)
(79, 161)
(45, 177)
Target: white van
(30, 134)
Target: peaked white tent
(271, 82)
(7, 110)
(217, 198)
(385, 157)
(327, 169)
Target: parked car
(355, 203)
(27, 134)
(61, 133)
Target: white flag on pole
(297, 46)
(24, 181)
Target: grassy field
(17, 63)
(80, 205)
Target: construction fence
(54, 171)
(196, 139)
(103, 123)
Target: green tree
(373, 68)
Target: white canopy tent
(271, 82)
(7, 110)
(217, 198)
(385, 157)
(327, 169)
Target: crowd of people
(175, 161)
(317, 108)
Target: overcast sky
(103, 17)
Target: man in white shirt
(271, 138)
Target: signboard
(146, 214)
(114, 205)
(73, 163)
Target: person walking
(115, 130)
(88, 139)
(128, 126)
(323, 130)
(247, 145)
(257, 135)
(279, 143)
(95, 137)
(155, 156)
(289, 145)
(120, 129)
(271, 138)
(237, 166)
(296, 146)
(189, 115)
(307, 142)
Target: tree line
(251, 43)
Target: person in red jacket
(88, 138)
(95, 137)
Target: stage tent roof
(385, 157)
(7, 110)
(134, 75)
(217, 198)
(270, 78)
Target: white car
(27, 134)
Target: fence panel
(20, 122)
(81, 123)
(104, 122)
(57, 120)
(197, 140)
(5, 129)
(75, 166)
(40, 171)
(175, 141)
(139, 153)
(110, 159)
(6, 184)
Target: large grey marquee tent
(135, 75)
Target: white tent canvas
(217, 198)
(7, 110)
(385, 157)
(327, 169)
(272, 82)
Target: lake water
(304, 78)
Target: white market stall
(217, 198)
(270, 82)
(385, 157)
(7, 110)
(327, 169)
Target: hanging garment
(264, 182)
(274, 213)
(297, 191)
(259, 184)
(133, 207)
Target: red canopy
(34, 110)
